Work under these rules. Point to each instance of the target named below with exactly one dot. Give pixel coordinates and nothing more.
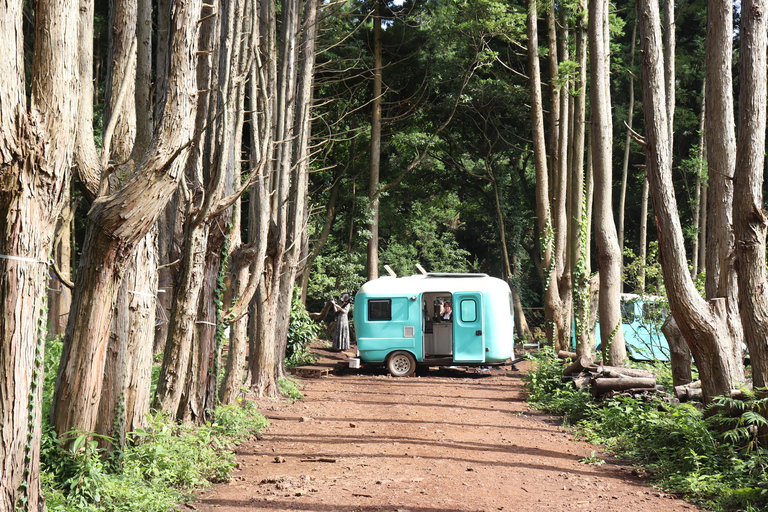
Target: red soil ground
(454, 440)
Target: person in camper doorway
(341, 332)
(447, 312)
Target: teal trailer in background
(641, 319)
(398, 323)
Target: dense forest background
(175, 177)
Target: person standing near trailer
(341, 332)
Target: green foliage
(164, 464)
(653, 275)
(547, 392)
(716, 461)
(290, 389)
(302, 330)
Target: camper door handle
(478, 333)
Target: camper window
(468, 310)
(380, 309)
(627, 311)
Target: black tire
(401, 364)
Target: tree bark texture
(59, 295)
(679, 354)
(703, 324)
(627, 148)
(543, 213)
(372, 265)
(122, 38)
(116, 223)
(749, 212)
(605, 229)
(699, 240)
(35, 169)
(721, 278)
(578, 232)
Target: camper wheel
(401, 364)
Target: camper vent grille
(408, 331)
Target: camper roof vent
(450, 274)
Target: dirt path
(451, 441)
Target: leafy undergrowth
(163, 466)
(160, 467)
(715, 461)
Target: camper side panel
(499, 327)
(384, 324)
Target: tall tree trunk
(115, 224)
(578, 219)
(561, 313)
(554, 94)
(265, 370)
(133, 320)
(749, 212)
(643, 243)
(668, 30)
(700, 184)
(627, 147)
(703, 325)
(721, 279)
(543, 213)
(372, 265)
(59, 294)
(297, 218)
(35, 164)
(605, 229)
(121, 49)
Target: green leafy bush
(716, 461)
(290, 389)
(164, 465)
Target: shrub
(715, 461)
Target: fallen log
(618, 372)
(578, 366)
(564, 354)
(581, 382)
(605, 384)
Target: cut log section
(605, 384)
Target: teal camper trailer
(398, 322)
(641, 319)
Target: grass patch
(290, 389)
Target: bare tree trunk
(372, 265)
(605, 228)
(59, 295)
(627, 147)
(35, 171)
(116, 223)
(543, 213)
(749, 212)
(554, 94)
(679, 353)
(703, 325)
(561, 313)
(122, 42)
(133, 319)
(668, 30)
(264, 369)
(578, 219)
(643, 252)
(721, 279)
(700, 184)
